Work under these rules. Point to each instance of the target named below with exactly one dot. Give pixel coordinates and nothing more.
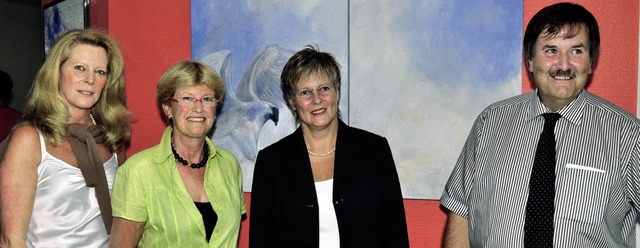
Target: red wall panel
(153, 36)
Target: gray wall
(21, 45)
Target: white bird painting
(250, 115)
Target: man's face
(561, 66)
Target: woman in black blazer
(326, 184)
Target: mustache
(563, 73)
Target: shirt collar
(163, 152)
(573, 112)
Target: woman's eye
(305, 93)
(208, 99)
(187, 99)
(101, 72)
(79, 68)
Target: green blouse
(148, 188)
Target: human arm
(633, 177)
(456, 232)
(243, 203)
(129, 208)
(18, 182)
(456, 192)
(260, 223)
(395, 222)
(125, 233)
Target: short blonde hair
(188, 73)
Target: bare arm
(125, 233)
(456, 233)
(18, 181)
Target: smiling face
(83, 77)
(191, 120)
(561, 66)
(317, 111)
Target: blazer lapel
(299, 167)
(344, 158)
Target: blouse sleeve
(128, 198)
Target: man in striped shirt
(597, 162)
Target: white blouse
(65, 211)
(329, 235)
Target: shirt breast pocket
(582, 194)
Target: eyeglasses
(307, 93)
(189, 101)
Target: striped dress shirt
(597, 173)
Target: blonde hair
(188, 73)
(46, 109)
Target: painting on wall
(248, 43)
(416, 72)
(420, 73)
(62, 16)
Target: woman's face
(83, 77)
(315, 101)
(192, 119)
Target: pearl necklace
(92, 120)
(185, 162)
(321, 154)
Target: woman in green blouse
(183, 192)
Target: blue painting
(248, 43)
(417, 72)
(60, 17)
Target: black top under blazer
(366, 194)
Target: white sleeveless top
(329, 235)
(65, 211)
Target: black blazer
(366, 194)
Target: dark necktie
(538, 225)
